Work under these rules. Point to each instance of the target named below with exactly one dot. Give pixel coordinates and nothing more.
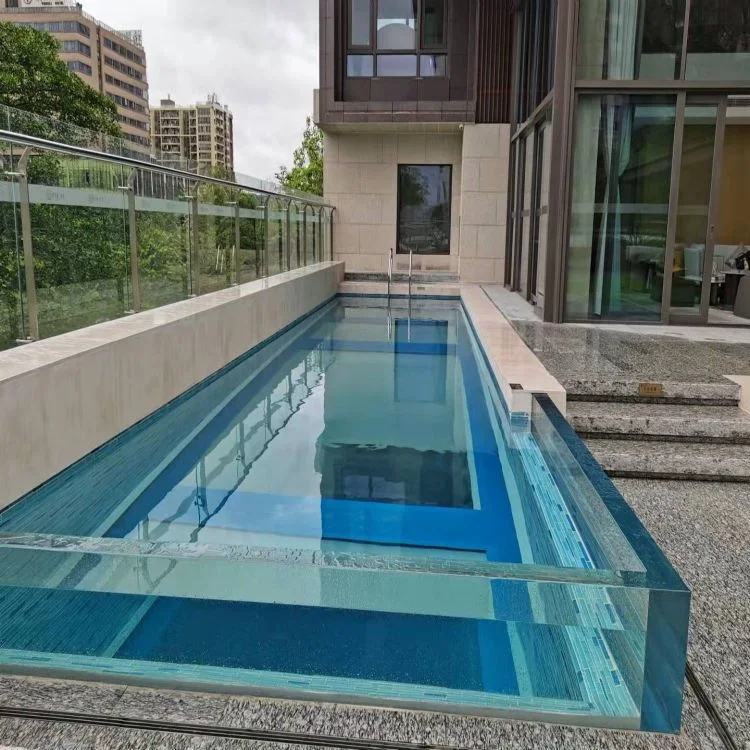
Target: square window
(359, 23)
(433, 28)
(359, 66)
(397, 66)
(424, 209)
(433, 66)
(397, 24)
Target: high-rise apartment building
(201, 133)
(112, 62)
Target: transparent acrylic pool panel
(350, 513)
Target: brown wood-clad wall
(494, 60)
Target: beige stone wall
(64, 397)
(361, 181)
(484, 200)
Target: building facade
(643, 141)
(414, 105)
(201, 134)
(112, 62)
(598, 149)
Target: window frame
(399, 167)
(437, 47)
(418, 50)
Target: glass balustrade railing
(88, 236)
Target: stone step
(669, 460)
(721, 393)
(671, 422)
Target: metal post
(304, 229)
(330, 240)
(195, 246)
(289, 236)
(28, 245)
(266, 237)
(135, 277)
(411, 263)
(237, 264)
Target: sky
(259, 56)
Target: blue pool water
(349, 510)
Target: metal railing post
(237, 239)
(266, 238)
(135, 275)
(330, 240)
(289, 236)
(195, 265)
(304, 229)
(28, 244)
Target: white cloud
(259, 56)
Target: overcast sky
(259, 56)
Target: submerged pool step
(670, 422)
(672, 460)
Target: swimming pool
(350, 512)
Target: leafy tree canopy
(307, 173)
(33, 78)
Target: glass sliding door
(729, 302)
(623, 148)
(693, 282)
(540, 211)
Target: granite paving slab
(359, 723)
(42, 735)
(704, 528)
(576, 353)
(171, 706)
(59, 695)
(635, 458)
(719, 423)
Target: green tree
(34, 79)
(72, 245)
(307, 173)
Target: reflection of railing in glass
(87, 236)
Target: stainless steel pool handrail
(411, 263)
(390, 273)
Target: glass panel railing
(277, 236)
(252, 237)
(88, 235)
(79, 227)
(13, 326)
(163, 227)
(296, 235)
(215, 239)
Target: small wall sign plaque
(650, 390)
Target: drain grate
(710, 709)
